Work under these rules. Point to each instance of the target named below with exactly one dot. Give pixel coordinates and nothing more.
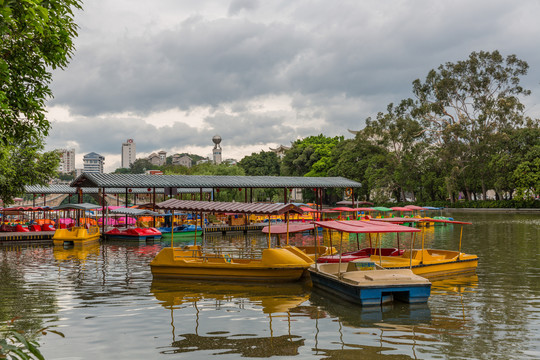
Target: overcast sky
(171, 74)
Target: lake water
(105, 302)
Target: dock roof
(208, 181)
(66, 189)
(228, 207)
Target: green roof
(209, 181)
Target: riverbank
(495, 210)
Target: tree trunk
(484, 190)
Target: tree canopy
(35, 37)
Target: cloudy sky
(173, 73)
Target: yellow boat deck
(430, 263)
(77, 235)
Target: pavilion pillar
(352, 197)
(250, 195)
(103, 206)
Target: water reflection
(78, 254)
(276, 301)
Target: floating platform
(30, 236)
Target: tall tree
(465, 104)
(265, 163)
(401, 135)
(35, 37)
(22, 164)
(310, 156)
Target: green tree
(139, 166)
(400, 135)
(265, 163)
(464, 105)
(35, 37)
(310, 156)
(23, 164)
(352, 158)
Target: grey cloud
(238, 5)
(341, 63)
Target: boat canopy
(358, 226)
(381, 208)
(400, 208)
(134, 212)
(282, 228)
(363, 209)
(415, 207)
(432, 208)
(83, 206)
(343, 208)
(228, 207)
(307, 209)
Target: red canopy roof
(358, 226)
(293, 228)
(399, 208)
(343, 208)
(307, 209)
(414, 207)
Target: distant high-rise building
(93, 163)
(128, 153)
(67, 160)
(216, 152)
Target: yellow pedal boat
(77, 235)
(276, 264)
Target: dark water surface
(105, 302)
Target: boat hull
(431, 263)
(135, 234)
(410, 291)
(276, 265)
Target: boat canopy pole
(380, 248)
(287, 227)
(398, 241)
(269, 232)
(413, 235)
(316, 230)
(340, 252)
(423, 236)
(172, 230)
(460, 236)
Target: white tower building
(128, 153)
(216, 152)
